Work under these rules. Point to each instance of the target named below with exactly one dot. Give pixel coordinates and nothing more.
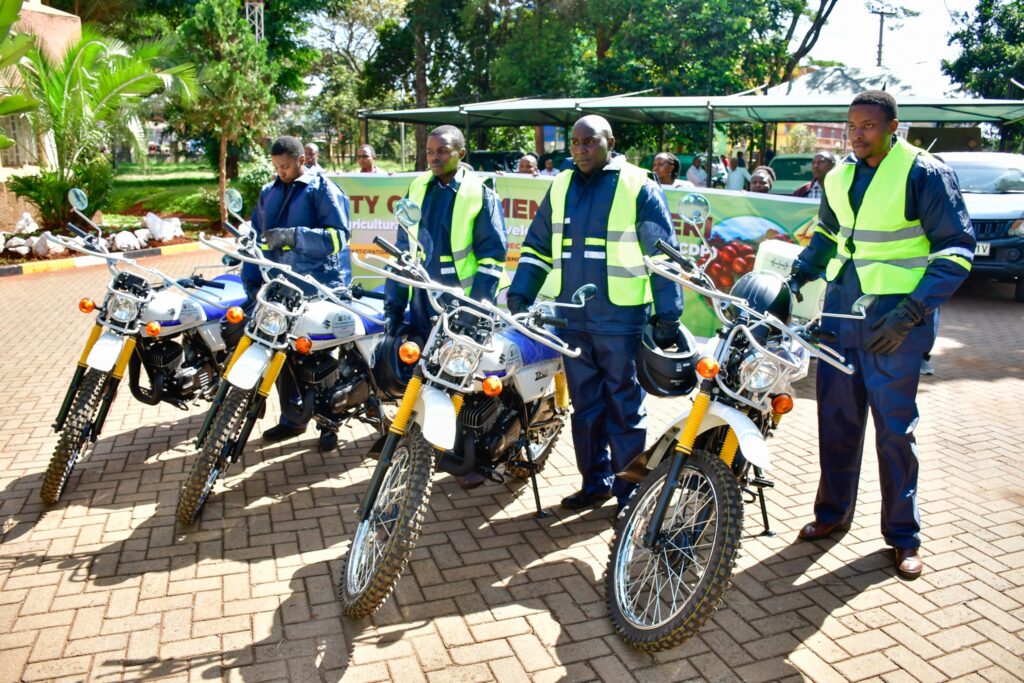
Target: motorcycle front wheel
(207, 468)
(74, 438)
(660, 596)
(383, 543)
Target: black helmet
(765, 293)
(669, 372)
(390, 373)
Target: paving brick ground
(101, 587)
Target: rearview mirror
(233, 200)
(78, 198)
(694, 208)
(584, 294)
(407, 212)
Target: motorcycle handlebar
(358, 292)
(230, 228)
(674, 254)
(560, 323)
(78, 231)
(387, 246)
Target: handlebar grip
(358, 292)
(230, 228)
(78, 231)
(212, 284)
(670, 251)
(560, 323)
(387, 246)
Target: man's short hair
(370, 149)
(286, 144)
(458, 139)
(313, 146)
(879, 98)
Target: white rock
(41, 247)
(126, 241)
(16, 243)
(155, 224)
(54, 247)
(20, 251)
(143, 236)
(3, 241)
(172, 229)
(26, 224)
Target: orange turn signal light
(409, 352)
(153, 328)
(303, 345)
(235, 314)
(707, 367)
(782, 404)
(492, 386)
(86, 305)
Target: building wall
(54, 29)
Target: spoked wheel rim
(373, 536)
(211, 481)
(652, 586)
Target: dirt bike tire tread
(523, 473)
(83, 411)
(715, 582)
(408, 529)
(225, 425)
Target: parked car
(791, 171)
(993, 187)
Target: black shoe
(328, 441)
(282, 432)
(585, 499)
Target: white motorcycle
(170, 328)
(676, 540)
(487, 393)
(326, 339)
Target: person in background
(527, 165)
(823, 162)
(697, 175)
(549, 167)
(312, 154)
(739, 176)
(366, 157)
(762, 179)
(666, 169)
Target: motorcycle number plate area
(105, 351)
(248, 369)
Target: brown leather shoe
(815, 531)
(908, 563)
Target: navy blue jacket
(318, 209)
(435, 234)
(587, 204)
(933, 197)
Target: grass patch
(182, 199)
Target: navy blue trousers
(609, 422)
(888, 385)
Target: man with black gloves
(462, 231)
(892, 223)
(302, 221)
(594, 226)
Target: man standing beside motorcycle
(301, 218)
(462, 231)
(594, 226)
(892, 223)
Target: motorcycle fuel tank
(530, 364)
(328, 324)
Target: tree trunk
(231, 165)
(222, 179)
(420, 87)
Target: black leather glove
(229, 261)
(517, 303)
(892, 328)
(279, 238)
(797, 279)
(666, 331)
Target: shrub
(48, 191)
(252, 176)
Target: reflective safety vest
(889, 252)
(469, 202)
(628, 281)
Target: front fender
(248, 369)
(105, 351)
(752, 443)
(435, 414)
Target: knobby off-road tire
(212, 456)
(659, 599)
(381, 547)
(541, 449)
(73, 441)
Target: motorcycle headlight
(272, 323)
(122, 309)
(758, 374)
(459, 360)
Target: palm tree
(12, 49)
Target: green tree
(991, 54)
(235, 101)
(12, 49)
(801, 140)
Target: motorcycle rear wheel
(207, 468)
(658, 598)
(382, 544)
(73, 440)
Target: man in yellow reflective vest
(462, 231)
(892, 223)
(594, 227)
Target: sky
(914, 50)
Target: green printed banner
(739, 223)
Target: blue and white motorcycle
(325, 339)
(147, 321)
(487, 394)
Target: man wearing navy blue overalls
(302, 220)
(594, 226)
(892, 223)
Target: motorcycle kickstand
(760, 482)
(532, 466)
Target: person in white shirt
(666, 169)
(366, 157)
(549, 168)
(697, 175)
(739, 176)
(312, 154)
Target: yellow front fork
(690, 429)
(412, 392)
(122, 360)
(272, 372)
(97, 330)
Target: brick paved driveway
(101, 587)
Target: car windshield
(792, 169)
(989, 178)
